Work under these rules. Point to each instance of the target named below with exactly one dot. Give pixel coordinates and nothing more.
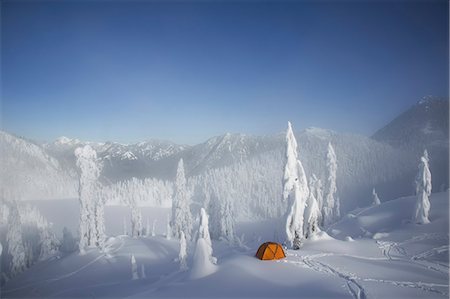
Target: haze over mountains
(388, 158)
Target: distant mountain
(29, 172)
(120, 161)
(423, 126)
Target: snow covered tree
(89, 173)
(136, 221)
(222, 218)
(99, 216)
(168, 229)
(295, 189)
(375, 199)
(48, 242)
(147, 228)
(290, 168)
(316, 188)
(203, 260)
(182, 256)
(154, 228)
(181, 213)
(312, 212)
(203, 233)
(143, 275)
(329, 212)
(134, 268)
(15, 245)
(423, 191)
(68, 244)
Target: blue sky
(188, 70)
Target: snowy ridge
(28, 172)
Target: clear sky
(185, 71)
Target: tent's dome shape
(270, 251)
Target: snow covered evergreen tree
(168, 229)
(312, 212)
(295, 189)
(329, 212)
(423, 191)
(100, 235)
(290, 168)
(134, 268)
(136, 221)
(203, 233)
(89, 173)
(15, 245)
(182, 256)
(154, 228)
(375, 199)
(203, 261)
(147, 228)
(143, 275)
(181, 213)
(68, 244)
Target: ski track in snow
(356, 289)
(108, 251)
(387, 246)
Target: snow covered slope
(28, 172)
(423, 126)
(377, 253)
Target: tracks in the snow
(355, 288)
(353, 282)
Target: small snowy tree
(143, 275)
(15, 245)
(68, 244)
(134, 268)
(203, 261)
(182, 256)
(168, 229)
(203, 233)
(154, 228)
(423, 191)
(136, 221)
(48, 241)
(329, 212)
(181, 214)
(312, 212)
(99, 215)
(89, 173)
(375, 199)
(147, 228)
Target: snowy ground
(375, 253)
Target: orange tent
(270, 251)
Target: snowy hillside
(376, 253)
(423, 126)
(28, 172)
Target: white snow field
(374, 252)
